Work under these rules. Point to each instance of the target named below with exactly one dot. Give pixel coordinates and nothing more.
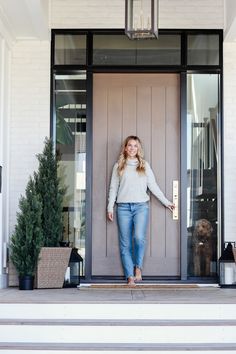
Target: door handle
(175, 214)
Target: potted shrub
(27, 239)
(53, 260)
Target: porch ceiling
(29, 19)
(25, 19)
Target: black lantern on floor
(227, 266)
(72, 277)
(141, 18)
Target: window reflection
(70, 49)
(70, 101)
(202, 156)
(119, 50)
(203, 49)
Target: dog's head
(203, 228)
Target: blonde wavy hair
(122, 161)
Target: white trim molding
(6, 28)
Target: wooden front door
(146, 105)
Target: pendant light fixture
(141, 19)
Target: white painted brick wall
(229, 140)
(30, 113)
(110, 13)
(30, 97)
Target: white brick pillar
(30, 115)
(5, 57)
(229, 140)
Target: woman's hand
(171, 206)
(110, 215)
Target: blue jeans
(132, 219)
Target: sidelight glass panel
(70, 49)
(120, 50)
(70, 109)
(202, 165)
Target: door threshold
(163, 281)
(147, 286)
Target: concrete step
(134, 323)
(109, 334)
(131, 328)
(52, 348)
(120, 311)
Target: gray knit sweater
(132, 187)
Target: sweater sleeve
(153, 186)
(113, 190)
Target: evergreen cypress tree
(27, 239)
(51, 193)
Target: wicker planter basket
(52, 265)
(13, 278)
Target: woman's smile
(131, 149)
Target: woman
(131, 176)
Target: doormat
(139, 286)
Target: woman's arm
(113, 190)
(155, 189)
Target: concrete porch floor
(197, 295)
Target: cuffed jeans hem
(129, 276)
(139, 266)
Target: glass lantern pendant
(141, 19)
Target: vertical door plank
(100, 125)
(144, 133)
(158, 163)
(129, 111)
(144, 118)
(172, 139)
(114, 138)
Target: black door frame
(182, 70)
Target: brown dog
(202, 248)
